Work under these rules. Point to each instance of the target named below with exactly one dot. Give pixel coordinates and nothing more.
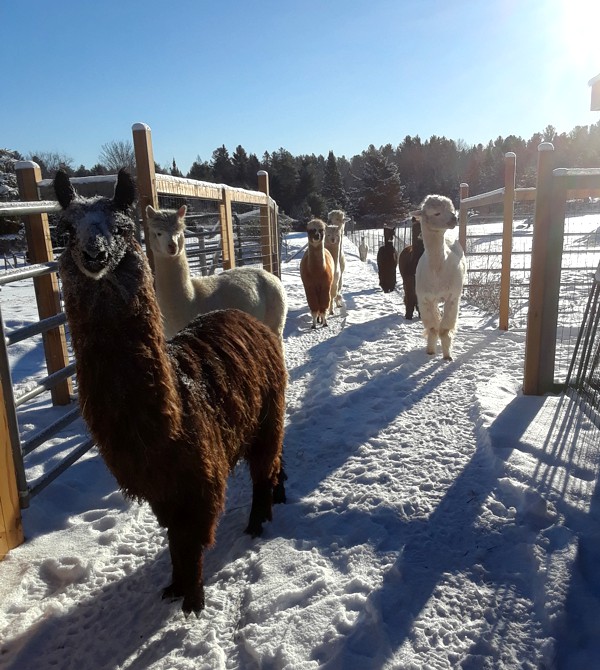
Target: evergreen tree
(333, 191)
(252, 167)
(221, 166)
(239, 160)
(283, 178)
(379, 197)
(175, 171)
(200, 170)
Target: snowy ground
(436, 518)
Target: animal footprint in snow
(60, 572)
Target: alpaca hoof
(279, 496)
(448, 358)
(430, 352)
(408, 317)
(313, 327)
(193, 603)
(254, 529)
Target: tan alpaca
(317, 272)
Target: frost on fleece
(435, 518)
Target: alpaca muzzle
(95, 258)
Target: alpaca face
(332, 235)
(98, 229)
(438, 213)
(337, 217)
(166, 228)
(316, 232)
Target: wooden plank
(11, 527)
(39, 249)
(265, 223)
(489, 198)
(189, 188)
(145, 176)
(226, 218)
(535, 338)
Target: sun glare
(578, 24)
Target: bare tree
(116, 155)
(52, 161)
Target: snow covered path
(428, 524)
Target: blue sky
(309, 76)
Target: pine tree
(221, 166)
(379, 197)
(200, 170)
(175, 171)
(333, 190)
(239, 160)
(283, 175)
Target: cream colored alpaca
(182, 297)
(338, 218)
(440, 273)
(363, 250)
(333, 244)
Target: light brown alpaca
(170, 418)
(317, 273)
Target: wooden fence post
(11, 529)
(146, 176)
(265, 222)
(226, 219)
(462, 217)
(47, 295)
(540, 342)
(510, 164)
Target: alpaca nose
(96, 254)
(172, 248)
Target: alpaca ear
(124, 190)
(182, 211)
(63, 189)
(150, 212)
(418, 213)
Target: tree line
(377, 186)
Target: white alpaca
(338, 218)
(182, 297)
(363, 249)
(440, 273)
(333, 244)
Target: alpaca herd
(180, 377)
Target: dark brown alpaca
(387, 259)
(171, 418)
(407, 264)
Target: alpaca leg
(279, 496)
(430, 314)
(315, 318)
(266, 469)
(410, 297)
(446, 340)
(186, 545)
(448, 326)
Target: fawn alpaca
(317, 273)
